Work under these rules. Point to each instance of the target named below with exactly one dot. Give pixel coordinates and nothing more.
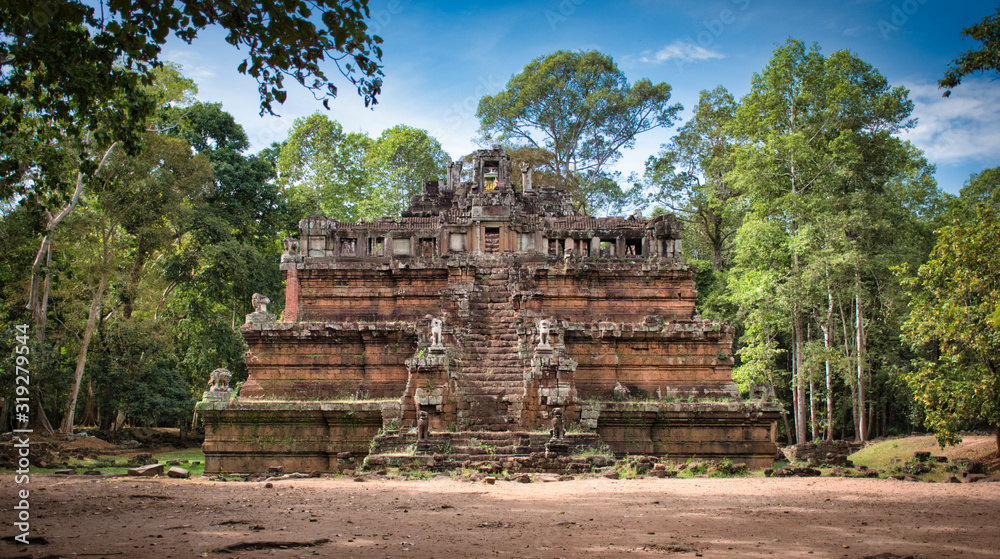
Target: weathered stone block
(178, 472)
(149, 470)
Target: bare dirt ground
(441, 517)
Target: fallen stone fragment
(149, 470)
(178, 472)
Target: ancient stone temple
(483, 312)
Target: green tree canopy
(349, 176)
(66, 69)
(954, 323)
(986, 58)
(321, 168)
(825, 176)
(399, 161)
(579, 107)
(692, 176)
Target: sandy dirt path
(340, 517)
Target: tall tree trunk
(812, 391)
(793, 436)
(800, 406)
(95, 307)
(90, 413)
(812, 408)
(860, 330)
(38, 293)
(120, 420)
(884, 431)
(854, 409)
(135, 275)
(41, 419)
(826, 346)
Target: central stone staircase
(490, 380)
(485, 451)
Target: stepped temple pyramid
(484, 325)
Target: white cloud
(853, 31)
(682, 50)
(961, 129)
(196, 65)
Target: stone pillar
(454, 174)
(595, 247)
(526, 177)
(570, 248)
(504, 173)
(677, 248)
(291, 313)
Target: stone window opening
(568, 246)
(348, 247)
(607, 249)
(375, 246)
(427, 247)
(554, 247)
(492, 239)
(633, 247)
(584, 249)
(490, 175)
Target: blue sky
(441, 57)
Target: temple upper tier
(488, 216)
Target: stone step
(505, 368)
(508, 380)
(491, 377)
(498, 392)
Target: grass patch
(116, 465)
(883, 454)
(589, 451)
